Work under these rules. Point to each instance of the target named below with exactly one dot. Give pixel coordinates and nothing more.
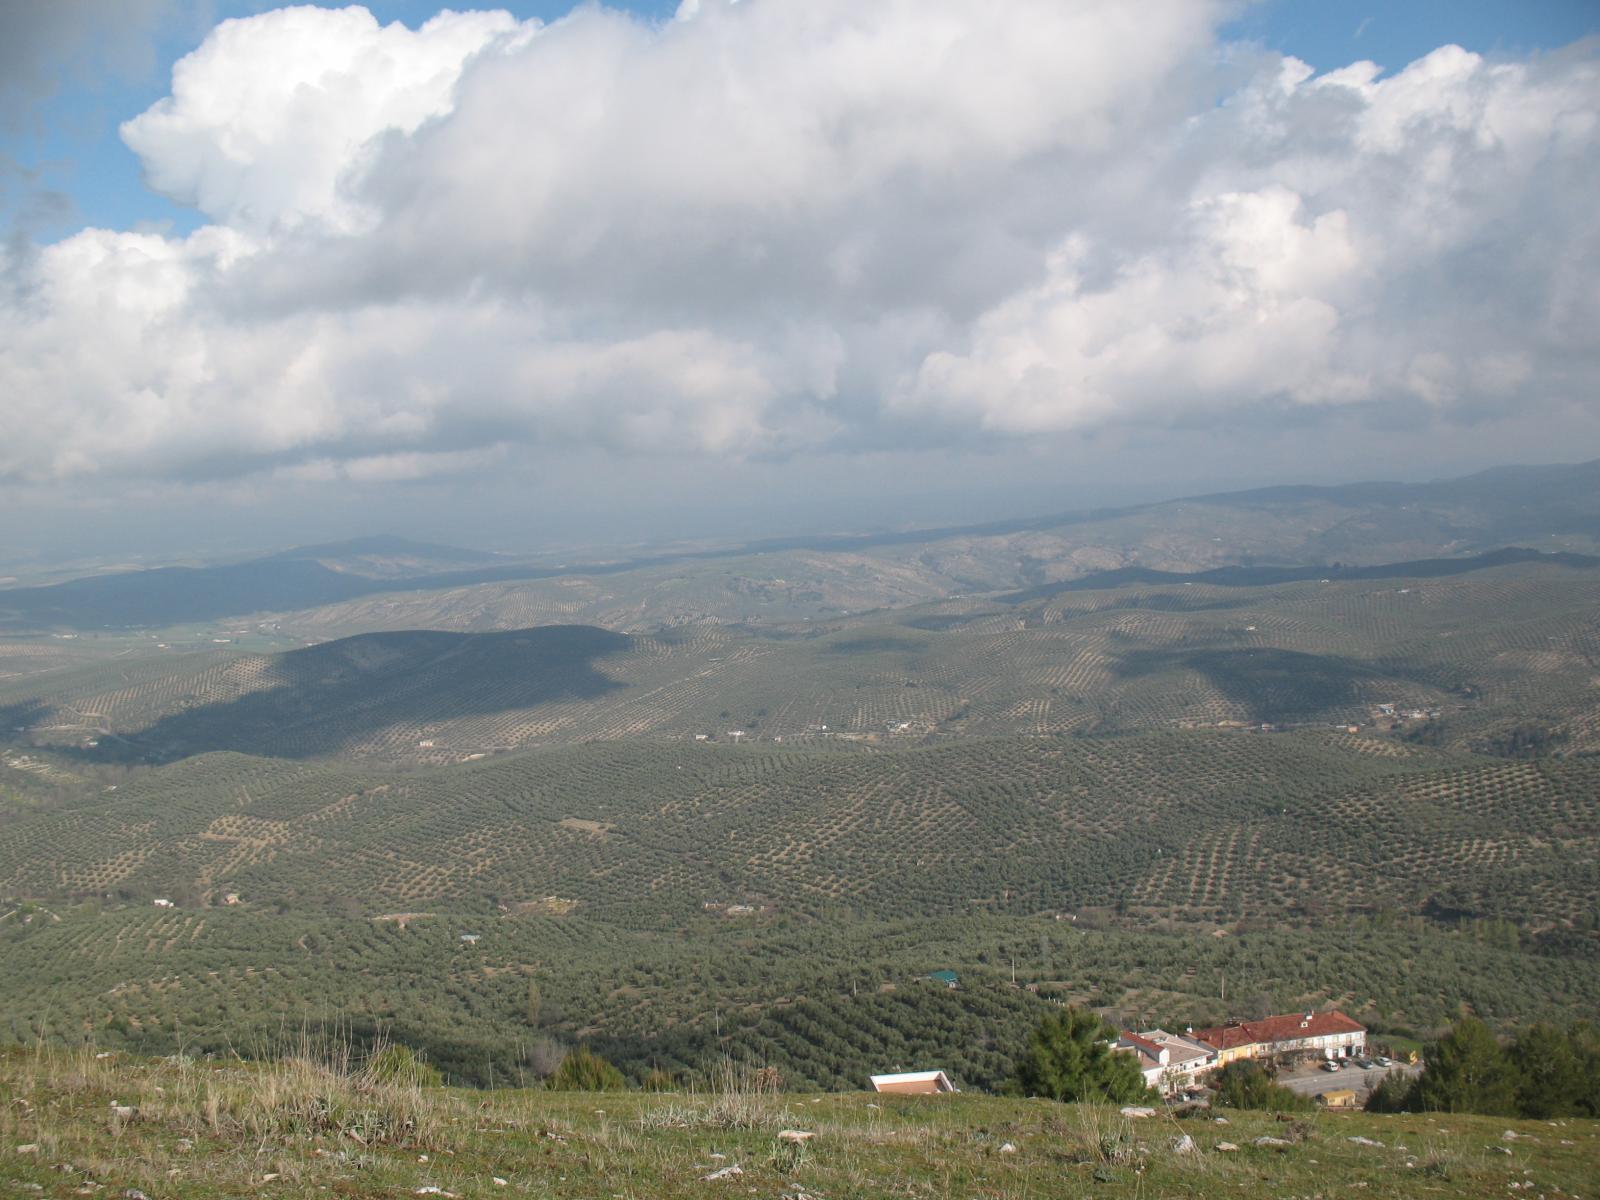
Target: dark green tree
(1468, 1072)
(1246, 1084)
(1558, 1071)
(1070, 1057)
(1395, 1093)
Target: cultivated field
(1501, 660)
(1172, 800)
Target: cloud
(1345, 240)
(781, 227)
(270, 114)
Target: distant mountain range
(1301, 528)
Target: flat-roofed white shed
(913, 1083)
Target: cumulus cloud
(270, 114)
(1345, 240)
(779, 226)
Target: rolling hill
(1486, 650)
(1551, 508)
(1169, 763)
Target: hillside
(1502, 651)
(674, 902)
(1174, 795)
(1552, 508)
(304, 1126)
(1200, 826)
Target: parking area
(1309, 1081)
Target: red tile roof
(1153, 1049)
(1285, 1028)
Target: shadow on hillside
(326, 699)
(19, 717)
(1270, 684)
(1270, 576)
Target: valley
(1160, 791)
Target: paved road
(1313, 1080)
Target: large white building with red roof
(1325, 1034)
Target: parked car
(1385, 1061)
(1330, 1065)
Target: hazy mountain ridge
(1557, 508)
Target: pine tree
(1070, 1057)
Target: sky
(529, 276)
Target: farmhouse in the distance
(1323, 1034)
(1169, 1062)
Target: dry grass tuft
(384, 1097)
(738, 1097)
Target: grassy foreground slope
(300, 1128)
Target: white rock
(729, 1172)
(1363, 1141)
(1272, 1141)
(1184, 1145)
(1008, 1148)
(1135, 1110)
(1220, 1121)
(795, 1135)
(498, 1182)
(28, 1148)
(1225, 1146)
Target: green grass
(305, 1128)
